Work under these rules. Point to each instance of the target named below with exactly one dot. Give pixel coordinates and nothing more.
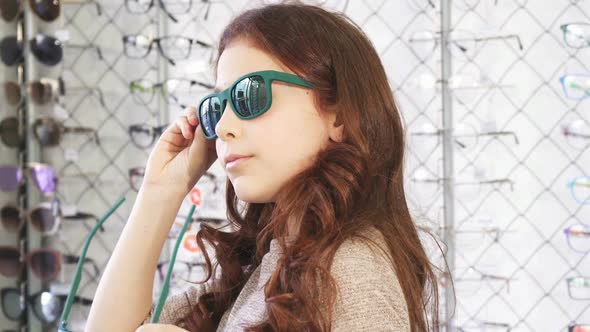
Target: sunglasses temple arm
(163, 6)
(88, 46)
(165, 288)
(63, 326)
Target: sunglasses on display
(576, 35)
(250, 96)
(170, 7)
(47, 131)
(144, 136)
(172, 48)
(47, 10)
(46, 218)
(182, 271)
(46, 49)
(47, 307)
(173, 90)
(45, 263)
(41, 92)
(43, 176)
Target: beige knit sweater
(369, 295)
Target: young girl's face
(281, 142)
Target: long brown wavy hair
(354, 184)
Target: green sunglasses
(250, 96)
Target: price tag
(71, 154)
(196, 196)
(189, 243)
(62, 35)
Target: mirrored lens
(11, 51)
(138, 6)
(12, 93)
(175, 47)
(11, 218)
(249, 96)
(211, 111)
(9, 261)
(9, 9)
(11, 303)
(47, 10)
(9, 132)
(45, 264)
(43, 219)
(47, 50)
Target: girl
(304, 122)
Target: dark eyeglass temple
(63, 326)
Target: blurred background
(498, 129)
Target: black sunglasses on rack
(170, 47)
(47, 306)
(46, 49)
(47, 10)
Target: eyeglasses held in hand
(63, 326)
(44, 177)
(578, 238)
(170, 47)
(46, 306)
(45, 218)
(576, 35)
(172, 89)
(578, 288)
(170, 7)
(144, 136)
(45, 263)
(580, 189)
(47, 10)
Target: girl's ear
(335, 128)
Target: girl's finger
(192, 117)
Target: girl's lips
(237, 162)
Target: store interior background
(512, 162)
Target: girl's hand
(180, 157)
(159, 328)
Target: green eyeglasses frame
(268, 76)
